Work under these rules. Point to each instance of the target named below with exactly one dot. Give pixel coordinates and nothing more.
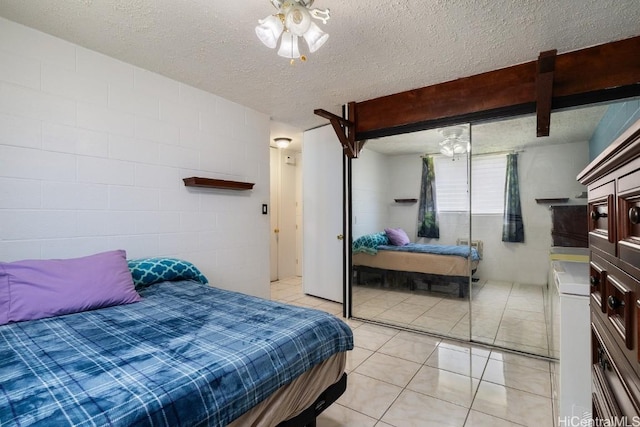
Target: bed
(448, 264)
(185, 354)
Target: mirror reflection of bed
(508, 303)
(416, 266)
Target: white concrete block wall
(405, 182)
(371, 196)
(92, 156)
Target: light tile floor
(505, 314)
(402, 379)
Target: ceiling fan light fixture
(269, 30)
(293, 20)
(282, 142)
(453, 143)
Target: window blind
(487, 177)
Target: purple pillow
(397, 236)
(34, 289)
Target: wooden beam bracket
(345, 130)
(545, 68)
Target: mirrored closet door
(543, 220)
(512, 169)
(411, 231)
(509, 198)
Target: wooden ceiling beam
(595, 74)
(544, 90)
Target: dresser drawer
(602, 218)
(629, 222)
(621, 308)
(612, 395)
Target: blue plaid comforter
(186, 355)
(461, 251)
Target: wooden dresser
(613, 181)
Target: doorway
(285, 214)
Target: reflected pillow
(35, 289)
(148, 271)
(397, 236)
(369, 243)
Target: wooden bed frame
(435, 268)
(307, 418)
(387, 276)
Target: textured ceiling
(576, 125)
(375, 47)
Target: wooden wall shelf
(195, 181)
(406, 200)
(553, 200)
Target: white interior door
(322, 214)
(274, 181)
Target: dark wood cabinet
(569, 225)
(613, 182)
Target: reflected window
(452, 194)
(487, 175)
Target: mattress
(445, 265)
(291, 399)
(187, 354)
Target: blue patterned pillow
(148, 271)
(369, 243)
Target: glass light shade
(269, 30)
(446, 150)
(282, 142)
(315, 37)
(289, 46)
(453, 146)
(459, 148)
(297, 20)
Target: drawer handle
(596, 215)
(602, 360)
(594, 280)
(634, 215)
(614, 302)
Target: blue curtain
(427, 212)
(512, 225)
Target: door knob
(277, 230)
(340, 237)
